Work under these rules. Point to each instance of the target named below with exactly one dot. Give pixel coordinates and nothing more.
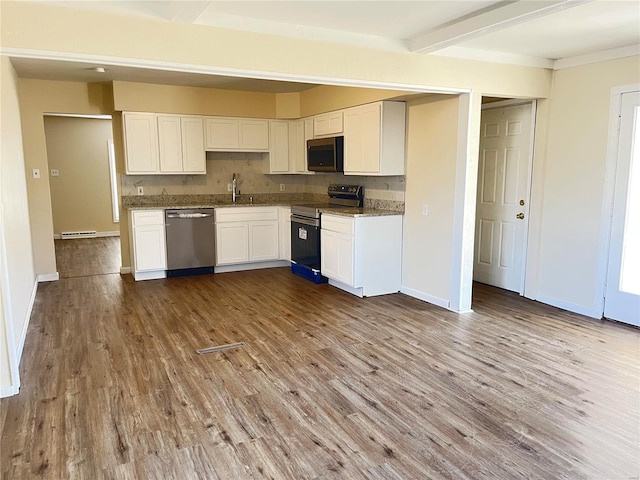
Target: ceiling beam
(513, 13)
(188, 12)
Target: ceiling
(544, 33)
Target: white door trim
(512, 102)
(608, 192)
(527, 209)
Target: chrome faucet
(235, 193)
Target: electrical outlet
(229, 187)
(282, 187)
(36, 173)
(425, 209)
(55, 172)
(140, 191)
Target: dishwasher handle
(189, 215)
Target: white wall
(432, 147)
(17, 274)
(574, 183)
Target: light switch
(425, 209)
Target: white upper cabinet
(181, 144)
(254, 134)
(374, 139)
(170, 143)
(327, 124)
(297, 150)
(288, 146)
(279, 146)
(163, 144)
(237, 134)
(140, 143)
(194, 158)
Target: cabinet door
(232, 243)
(193, 154)
(170, 144)
(297, 147)
(222, 133)
(362, 139)
(279, 151)
(263, 241)
(141, 142)
(337, 256)
(150, 250)
(254, 134)
(327, 124)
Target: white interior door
(503, 196)
(622, 293)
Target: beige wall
(326, 98)
(44, 27)
(574, 182)
(16, 257)
(432, 149)
(148, 97)
(81, 194)
(38, 97)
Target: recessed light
(98, 69)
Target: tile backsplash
(249, 169)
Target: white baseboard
(588, 312)
(347, 288)
(9, 391)
(125, 270)
(114, 233)
(48, 277)
(23, 334)
(440, 302)
(153, 275)
(251, 266)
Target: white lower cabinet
(362, 255)
(264, 241)
(232, 243)
(246, 235)
(148, 244)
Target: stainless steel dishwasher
(190, 241)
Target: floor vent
(85, 234)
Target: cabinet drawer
(337, 224)
(147, 217)
(246, 214)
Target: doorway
(503, 194)
(83, 189)
(622, 290)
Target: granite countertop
(372, 208)
(359, 212)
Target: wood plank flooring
(81, 257)
(328, 386)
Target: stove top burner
(339, 196)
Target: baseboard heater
(83, 234)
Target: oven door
(305, 241)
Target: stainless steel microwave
(325, 154)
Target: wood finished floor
(81, 257)
(328, 386)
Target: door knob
(520, 216)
